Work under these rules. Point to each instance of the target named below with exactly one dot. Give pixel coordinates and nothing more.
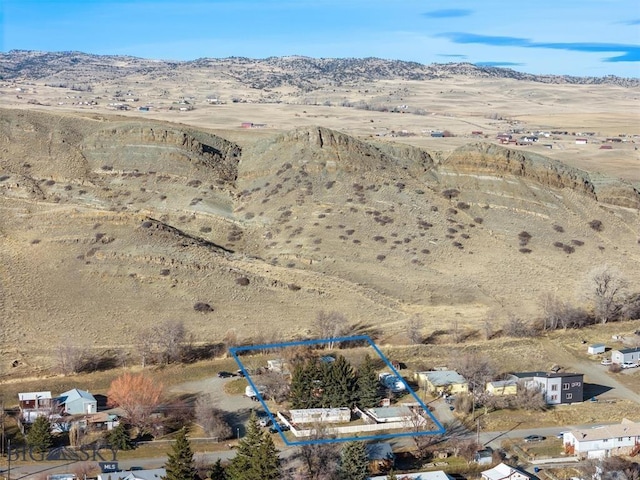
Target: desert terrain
(130, 191)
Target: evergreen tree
(217, 471)
(367, 384)
(354, 464)
(256, 457)
(267, 459)
(119, 438)
(324, 385)
(342, 381)
(39, 435)
(301, 387)
(180, 464)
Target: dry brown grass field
(112, 220)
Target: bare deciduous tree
(277, 388)
(163, 343)
(530, 397)
(517, 327)
(330, 325)
(318, 461)
(414, 330)
(606, 290)
(69, 358)
(476, 368)
(212, 419)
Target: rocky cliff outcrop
(479, 158)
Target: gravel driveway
(238, 406)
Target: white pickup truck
(251, 393)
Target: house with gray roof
(442, 381)
(626, 355)
(77, 402)
(605, 441)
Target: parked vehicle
(224, 374)
(606, 361)
(251, 393)
(534, 438)
(628, 365)
(392, 382)
(264, 421)
(274, 427)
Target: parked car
(274, 427)
(224, 374)
(606, 361)
(534, 438)
(628, 365)
(240, 373)
(264, 421)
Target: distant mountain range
(302, 72)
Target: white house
(596, 348)
(622, 439)
(631, 355)
(503, 471)
(320, 415)
(438, 475)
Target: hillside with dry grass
(109, 224)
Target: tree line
(320, 384)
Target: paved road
(493, 439)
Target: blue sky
(586, 37)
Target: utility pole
(9, 459)
(478, 431)
(2, 438)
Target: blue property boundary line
(359, 338)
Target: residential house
(502, 387)
(626, 355)
(381, 457)
(398, 413)
(104, 421)
(442, 381)
(320, 415)
(484, 456)
(76, 402)
(503, 471)
(596, 348)
(437, 475)
(557, 388)
(34, 405)
(156, 474)
(606, 441)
